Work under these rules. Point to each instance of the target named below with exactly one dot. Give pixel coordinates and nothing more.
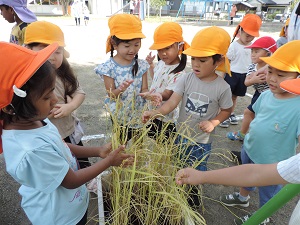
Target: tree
(293, 4)
(65, 4)
(156, 4)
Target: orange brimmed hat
(167, 34)
(292, 86)
(285, 58)
(124, 27)
(211, 41)
(283, 29)
(18, 64)
(45, 33)
(251, 24)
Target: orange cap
(45, 33)
(211, 41)
(18, 65)
(124, 27)
(292, 86)
(251, 24)
(283, 29)
(285, 58)
(167, 34)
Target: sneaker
(235, 136)
(233, 120)
(242, 220)
(233, 200)
(225, 124)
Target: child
(276, 123)
(17, 11)
(201, 108)
(52, 186)
(169, 43)
(125, 76)
(240, 59)
(284, 172)
(86, 13)
(262, 47)
(67, 89)
(283, 34)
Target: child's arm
(62, 110)
(112, 90)
(150, 59)
(144, 83)
(74, 179)
(257, 77)
(209, 126)
(248, 175)
(90, 151)
(166, 108)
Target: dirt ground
(86, 45)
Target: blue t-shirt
(39, 160)
(132, 104)
(273, 134)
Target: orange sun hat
(45, 33)
(251, 24)
(167, 34)
(18, 65)
(125, 27)
(283, 29)
(211, 41)
(285, 58)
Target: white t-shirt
(239, 56)
(289, 170)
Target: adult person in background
(294, 25)
(232, 13)
(76, 11)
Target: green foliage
(293, 4)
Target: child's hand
(258, 78)
(187, 176)
(150, 58)
(206, 126)
(119, 158)
(125, 85)
(61, 110)
(147, 115)
(155, 98)
(105, 150)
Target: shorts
(236, 82)
(253, 100)
(86, 18)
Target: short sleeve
(180, 85)
(173, 80)
(289, 169)
(225, 101)
(42, 169)
(104, 69)
(143, 66)
(231, 52)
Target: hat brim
(41, 57)
(130, 36)
(252, 33)
(24, 14)
(198, 53)
(157, 46)
(277, 64)
(292, 86)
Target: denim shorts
(265, 192)
(194, 155)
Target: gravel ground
(87, 48)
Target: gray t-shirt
(201, 101)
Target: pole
(288, 192)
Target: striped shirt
(258, 87)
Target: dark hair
(66, 74)
(117, 41)
(216, 58)
(5, 6)
(237, 31)
(35, 87)
(182, 63)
